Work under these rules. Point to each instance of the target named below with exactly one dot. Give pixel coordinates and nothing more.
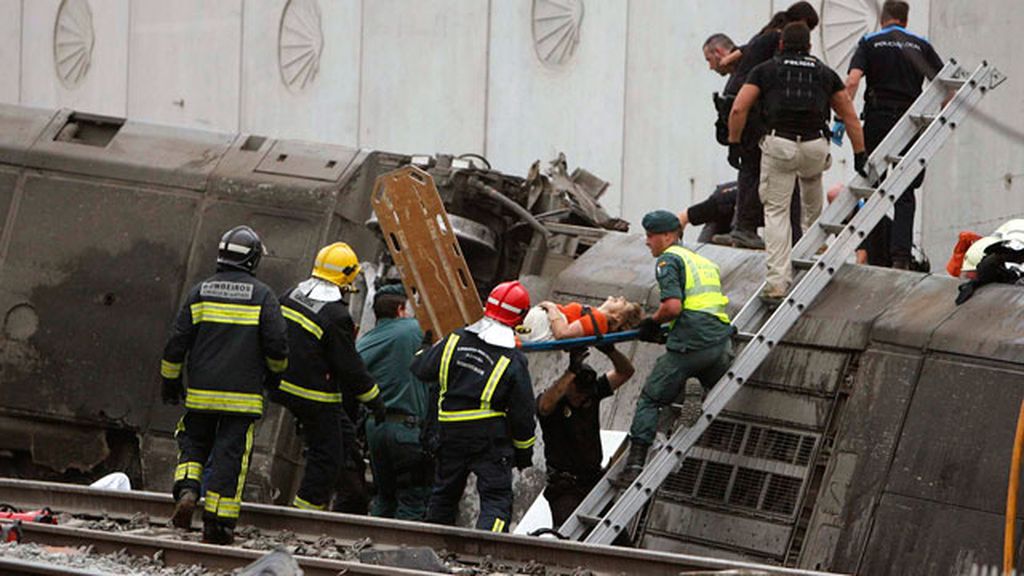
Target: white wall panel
(185, 62)
(977, 181)
(424, 71)
(536, 110)
(326, 108)
(10, 51)
(96, 84)
(671, 156)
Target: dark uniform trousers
(890, 237)
(225, 441)
(481, 448)
(321, 424)
(350, 493)
(564, 492)
(402, 472)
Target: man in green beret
(402, 471)
(698, 343)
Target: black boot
(183, 508)
(634, 462)
(215, 532)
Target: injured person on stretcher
(549, 321)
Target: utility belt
(797, 136)
(555, 476)
(408, 420)
(882, 104)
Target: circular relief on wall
(843, 24)
(300, 42)
(73, 41)
(556, 30)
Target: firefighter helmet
(508, 303)
(240, 248)
(337, 263)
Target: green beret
(396, 289)
(661, 221)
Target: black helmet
(240, 248)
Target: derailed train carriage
(875, 439)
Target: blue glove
(838, 130)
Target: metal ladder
(610, 507)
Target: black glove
(172, 391)
(378, 409)
(650, 330)
(735, 156)
(860, 162)
(605, 348)
(576, 358)
(523, 458)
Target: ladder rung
(588, 520)
(831, 227)
(744, 336)
(923, 119)
(893, 158)
(861, 192)
(804, 263)
(953, 82)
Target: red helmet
(508, 303)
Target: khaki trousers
(782, 162)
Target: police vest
(703, 289)
(799, 90)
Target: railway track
(465, 547)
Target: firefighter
(484, 408)
(323, 365)
(232, 333)
(402, 471)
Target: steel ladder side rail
(895, 141)
(813, 282)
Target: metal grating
(749, 466)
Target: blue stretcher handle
(570, 343)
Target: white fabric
(320, 290)
(117, 481)
(493, 332)
(536, 326)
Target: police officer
(744, 152)
(796, 91)
(323, 366)
(402, 471)
(485, 409)
(231, 331)
(895, 63)
(569, 413)
(699, 340)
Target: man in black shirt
(569, 414)
(744, 153)
(796, 90)
(895, 63)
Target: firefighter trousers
(223, 443)
(490, 459)
(321, 424)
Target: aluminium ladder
(610, 507)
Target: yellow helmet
(337, 263)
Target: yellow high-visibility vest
(703, 290)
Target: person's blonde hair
(626, 319)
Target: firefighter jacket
(232, 332)
(479, 382)
(323, 361)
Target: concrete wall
(627, 96)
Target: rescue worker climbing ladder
(484, 409)
(323, 365)
(232, 333)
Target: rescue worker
(569, 413)
(402, 471)
(485, 410)
(699, 339)
(323, 366)
(232, 334)
(894, 62)
(797, 91)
